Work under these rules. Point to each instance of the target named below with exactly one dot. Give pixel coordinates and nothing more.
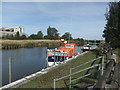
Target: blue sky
(82, 19)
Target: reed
(14, 44)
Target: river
(25, 61)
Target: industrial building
(11, 30)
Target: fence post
(99, 72)
(102, 65)
(70, 79)
(10, 69)
(54, 84)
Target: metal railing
(101, 67)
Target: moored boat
(68, 50)
(86, 48)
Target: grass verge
(46, 80)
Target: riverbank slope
(46, 80)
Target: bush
(119, 52)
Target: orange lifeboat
(70, 49)
(66, 51)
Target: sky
(82, 19)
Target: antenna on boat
(68, 43)
(69, 38)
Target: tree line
(112, 27)
(52, 34)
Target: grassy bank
(46, 80)
(14, 44)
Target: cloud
(78, 18)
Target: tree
(33, 36)
(11, 37)
(40, 35)
(78, 41)
(23, 37)
(52, 33)
(67, 36)
(46, 37)
(112, 28)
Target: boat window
(69, 45)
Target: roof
(4, 28)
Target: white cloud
(73, 17)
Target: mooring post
(54, 84)
(102, 65)
(0, 67)
(10, 69)
(70, 79)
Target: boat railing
(57, 53)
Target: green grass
(46, 80)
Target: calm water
(25, 61)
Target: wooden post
(10, 69)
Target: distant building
(11, 30)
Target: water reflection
(25, 61)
